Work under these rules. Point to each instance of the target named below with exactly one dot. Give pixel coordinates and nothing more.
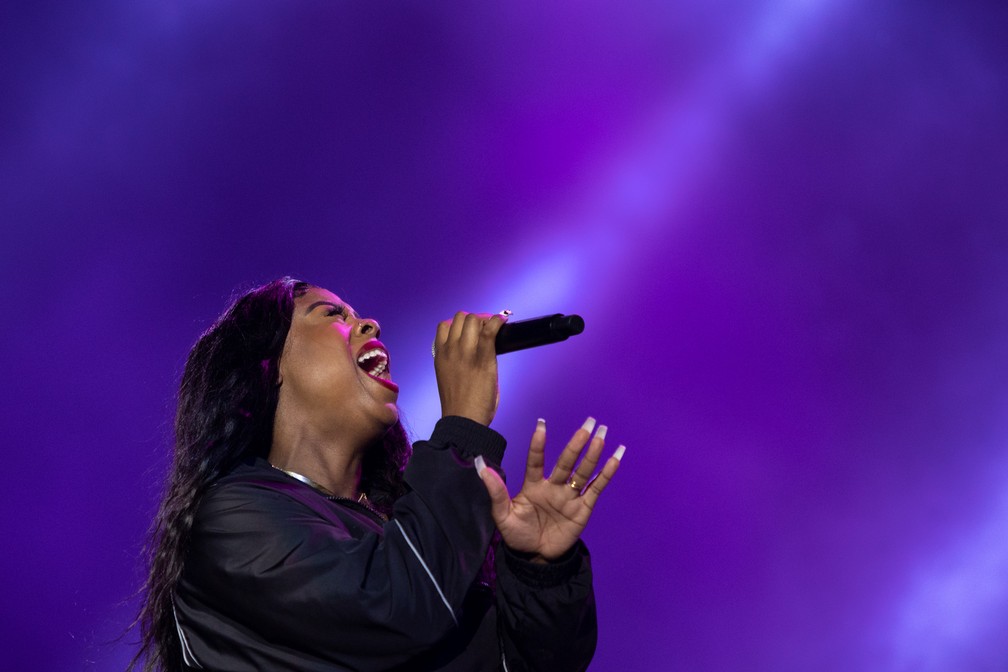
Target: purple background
(785, 224)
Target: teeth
(380, 367)
(371, 353)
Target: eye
(337, 311)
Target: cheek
(317, 370)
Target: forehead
(316, 296)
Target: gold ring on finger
(574, 484)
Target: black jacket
(280, 577)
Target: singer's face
(334, 373)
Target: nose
(368, 327)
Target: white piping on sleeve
(427, 569)
(187, 655)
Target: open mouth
(373, 359)
(375, 362)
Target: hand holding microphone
(465, 353)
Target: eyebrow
(315, 305)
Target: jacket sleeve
(267, 563)
(546, 613)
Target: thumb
(500, 500)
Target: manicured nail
(589, 424)
(619, 453)
(540, 425)
(480, 465)
(505, 313)
(600, 434)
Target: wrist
(468, 408)
(548, 573)
(534, 557)
(471, 438)
(481, 418)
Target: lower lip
(387, 383)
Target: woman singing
(300, 531)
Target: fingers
(473, 332)
(568, 458)
(469, 336)
(500, 500)
(584, 471)
(598, 484)
(449, 332)
(580, 480)
(489, 328)
(536, 460)
(441, 336)
(493, 323)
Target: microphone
(537, 331)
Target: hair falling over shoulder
(226, 405)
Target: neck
(329, 463)
(323, 478)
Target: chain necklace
(362, 500)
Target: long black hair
(226, 406)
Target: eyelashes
(335, 311)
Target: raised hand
(465, 362)
(547, 516)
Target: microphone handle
(537, 331)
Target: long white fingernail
(540, 425)
(480, 465)
(600, 434)
(589, 424)
(619, 453)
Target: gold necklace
(362, 500)
(307, 481)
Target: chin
(390, 418)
